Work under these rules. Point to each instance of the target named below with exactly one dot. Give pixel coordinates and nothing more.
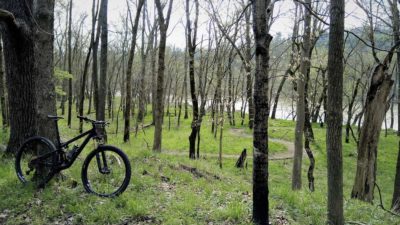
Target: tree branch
(347, 31)
(8, 17)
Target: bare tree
(159, 106)
(292, 67)
(300, 110)
(375, 108)
(70, 63)
(86, 66)
(334, 113)
(261, 12)
(191, 47)
(128, 88)
(144, 53)
(244, 55)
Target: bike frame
(66, 163)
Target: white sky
(117, 8)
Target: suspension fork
(102, 165)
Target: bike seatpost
(57, 134)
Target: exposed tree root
(381, 202)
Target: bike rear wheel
(35, 160)
(106, 171)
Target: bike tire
(29, 150)
(117, 166)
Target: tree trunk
(142, 82)
(396, 192)
(230, 86)
(300, 111)
(375, 109)
(260, 132)
(45, 89)
(21, 71)
(159, 106)
(86, 68)
(315, 114)
(3, 91)
(82, 88)
(153, 76)
(101, 104)
(241, 160)
(95, 75)
(310, 173)
(70, 64)
(308, 131)
(350, 111)
(128, 89)
(247, 67)
(334, 113)
(396, 33)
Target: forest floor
(162, 191)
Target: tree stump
(241, 160)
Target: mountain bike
(106, 171)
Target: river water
(284, 111)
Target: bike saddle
(54, 117)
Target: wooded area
(196, 92)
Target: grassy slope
(162, 192)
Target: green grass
(161, 192)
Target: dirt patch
(241, 133)
(277, 156)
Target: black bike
(106, 171)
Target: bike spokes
(105, 174)
(34, 162)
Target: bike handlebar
(84, 118)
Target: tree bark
(396, 33)
(3, 105)
(45, 89)
(191, 47)
(95, 73)
(21, 70)
(260, 132)
(374, 112)
(142, 82)
(70, 64)
(315, 114)
(350, 111)
(247, 67)
(159, 106)
(242, 159)
(101, 104)
(300, 110)
(334, 113)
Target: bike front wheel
(106, 171)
